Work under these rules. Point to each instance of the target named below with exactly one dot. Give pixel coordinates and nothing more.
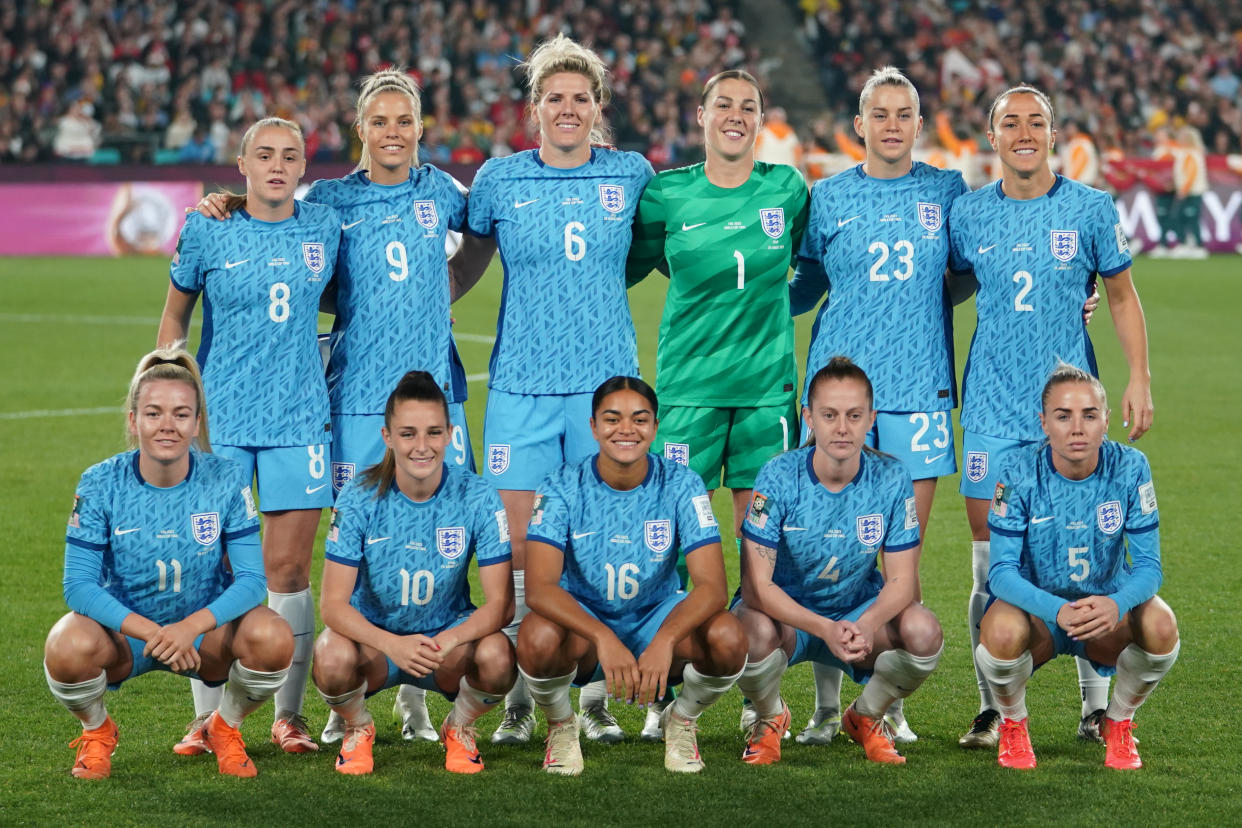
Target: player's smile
(1022, 135)
(418, 434)
(391, 130)
(731, 118)
(625, 426)
(566, 113)
(165, 421)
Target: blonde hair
(263, 123)
(1063, 373)
(886, 76)
(386, 80)
(561, 54)
(172, 362)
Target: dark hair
(620, 383)
(839, 368)
(1022, 89)
(415, 385)
(730, 74)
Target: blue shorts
(808, 647)
(923, 440)
(290, 477)
(981, 457)
(1062, 644)
(528, 436)
(357, 444)
(636, 631)
(145, 664)
(428, 682)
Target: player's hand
(844, 642)
(416, 654)
(1137, 410)
(173, 646)
(1090, 306)
(213, 205)
(1092, 617)
(447, 641)
(619, 667)
(653, 667)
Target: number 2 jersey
(880, 247)
(1056, 539)
(392, 284)
(564, 325)
(259, 354)
(621, 547)
(726, 337)
(163, 553)
(413, 558)
(1034, 260)
(827, 543)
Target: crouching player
(163, 572)
(1063, 515)
(396, 599)
(810, 588)
(602, 586)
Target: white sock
(411, 696)
(551, 694)
(1008, 681)
(1138, 673)
(206, 699)
(246, 691)
(470, 704)
(298, 608)
(897, 710)
(979, 552)
(84, 699)
(897, 674)
(827, 686)
(595, 693)
(351, 706)
(1091, 686)
(761, 682)
(518, 695)
(698, 692)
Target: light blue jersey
(1055, 539)
(413, 558)
(163, 553)
(621, 547)
(564, 325)
(883, 246)
(1034, 260)
(827, 543)
(392, 285)
(259, 353)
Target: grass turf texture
(72, 330)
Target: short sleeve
(959, 262)
(1142, 514)
(347, 526)
(1111, 244)
(903, 516)
(480, 212)
(766, 511)
(186, 269)
(647, 247)
(696, 524)
(88, 521)
(802, 205)
(1008, 513)
(453, 202)
(491, 529)
(549, 516)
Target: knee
(920, 631)
(1157, 625)
(726, 642)
(495, 663)
(539, 641)
(265, 639)
(76, 648)
(286, 573)
(1006, 635)
(761, 634)
(335, 668)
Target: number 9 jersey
(261, 282)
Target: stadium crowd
(150, 80)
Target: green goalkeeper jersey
(726, 338)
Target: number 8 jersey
(563, 234)
(1034, 260)
(261, 283)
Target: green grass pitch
(71, 331)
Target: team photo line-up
(596, 549)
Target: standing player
(262, 275)
(562, 217)
(810, 587)
(724, 232)
(163, 572)
(878, 237)
(1075, 568)
(396, 599)
(1034, 241)
(605, 597)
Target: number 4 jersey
(1034, 260)
(261, 282)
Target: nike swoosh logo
(843, 222)
(793, 528)
(127, 531)
(685, 227)
(983, 249)
(309, 490)
(231, 265)
(934, 459)
(580, 535)
(352, 224)
(1043, 519)
(517, 205)
(377, 540)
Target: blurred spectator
(77, 133)
(777, 143)
(198, 149)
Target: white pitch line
(77, 319)
(486, 339)
(61, 412)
